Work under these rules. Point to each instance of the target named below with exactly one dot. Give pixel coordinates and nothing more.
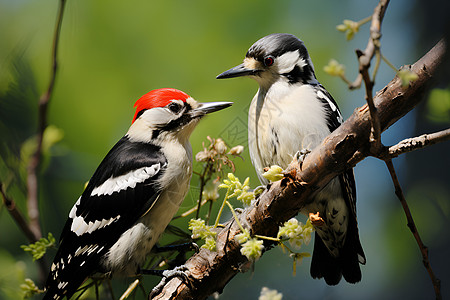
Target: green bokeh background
(112, 52)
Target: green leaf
(407, 77)
(38, 249)
(29, 288)
(438, 106)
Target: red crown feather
(158, 98)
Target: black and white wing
(123, 188)
(352, 254)
(334, 120)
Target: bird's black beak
(238, 71)
(209, 107)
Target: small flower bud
(349, 27)
(210, 193)
(201, 156)
(210, 244)
(220, 146)
(237, 150)
(334, 68)
(268, 294)
(274, 173)
(252, 249)
(243, 237)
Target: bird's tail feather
(324, 265)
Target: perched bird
(133, 194)
(293, 111)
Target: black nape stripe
(299, 75)
(295, 75)
(155, 133)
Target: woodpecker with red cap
(293, 111)
(133, 194)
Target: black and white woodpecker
(293, 111)
(133, 194)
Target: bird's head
(279, 56)
(168, 112)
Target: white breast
(282, 121)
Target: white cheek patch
(158, 116)
(123, 182)
(161, 115)
(286, 62)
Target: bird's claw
(301, 155)
(180, 271)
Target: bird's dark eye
(174, 107)
(268, 61)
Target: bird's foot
(180, 271)
(301, 155)
(315, 219)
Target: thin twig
(412, 226)
(376, 147)
(32, 170)
(390, 65)
(415, 143)
(377, 64)
(15, 213)
(375, 136)
(130, 289)
(372, 45)
(188, 212)
(10, 205)
(203, 181)
(364, 58)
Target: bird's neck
(277, 90)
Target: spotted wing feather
(323, 264)
(122, 189)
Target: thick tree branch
(210, 271)
(33, 166)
